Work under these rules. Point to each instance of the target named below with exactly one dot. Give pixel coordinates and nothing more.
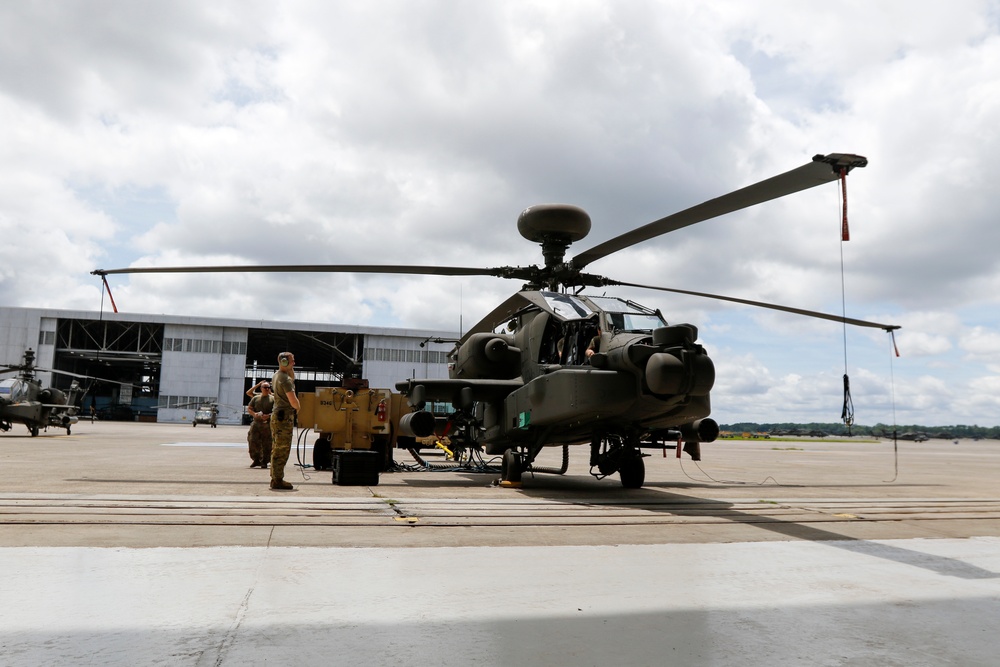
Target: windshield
(629, 316)
(635, 322)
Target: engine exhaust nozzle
(419, 424)
(700, 430)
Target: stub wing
(450, 390)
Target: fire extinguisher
(381, 411)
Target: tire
(633, 472)
(510, 470)
(381, 445)
(322, 455)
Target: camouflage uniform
(259, 435)
(282, 423)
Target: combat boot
(281, 485)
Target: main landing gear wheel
(633, 472)
(510, 469)
(34, 431)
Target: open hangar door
(121, 362)
(322, 359)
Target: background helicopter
(205, 412)
(23, 399)
(521, 379)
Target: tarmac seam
(229, 639)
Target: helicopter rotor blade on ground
(823, 169)
(771, 306)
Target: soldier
(595, 345)
(286, 403)
(259, 436)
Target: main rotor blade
(314, 268)
(772, 306)
(74, 375)
(823, 169)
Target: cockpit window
(566, 306)
(635, 322)
(629, 316)
(13, 390)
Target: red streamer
(108, 287)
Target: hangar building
(162, 367)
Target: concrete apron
(889, 602)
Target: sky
(139, 133)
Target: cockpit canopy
(13, 390)
(620, 315)
(567, 307)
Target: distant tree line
(878, 430)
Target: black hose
(555, 471)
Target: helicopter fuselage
(530, 382)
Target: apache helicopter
(521, 379)
(24, 400)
